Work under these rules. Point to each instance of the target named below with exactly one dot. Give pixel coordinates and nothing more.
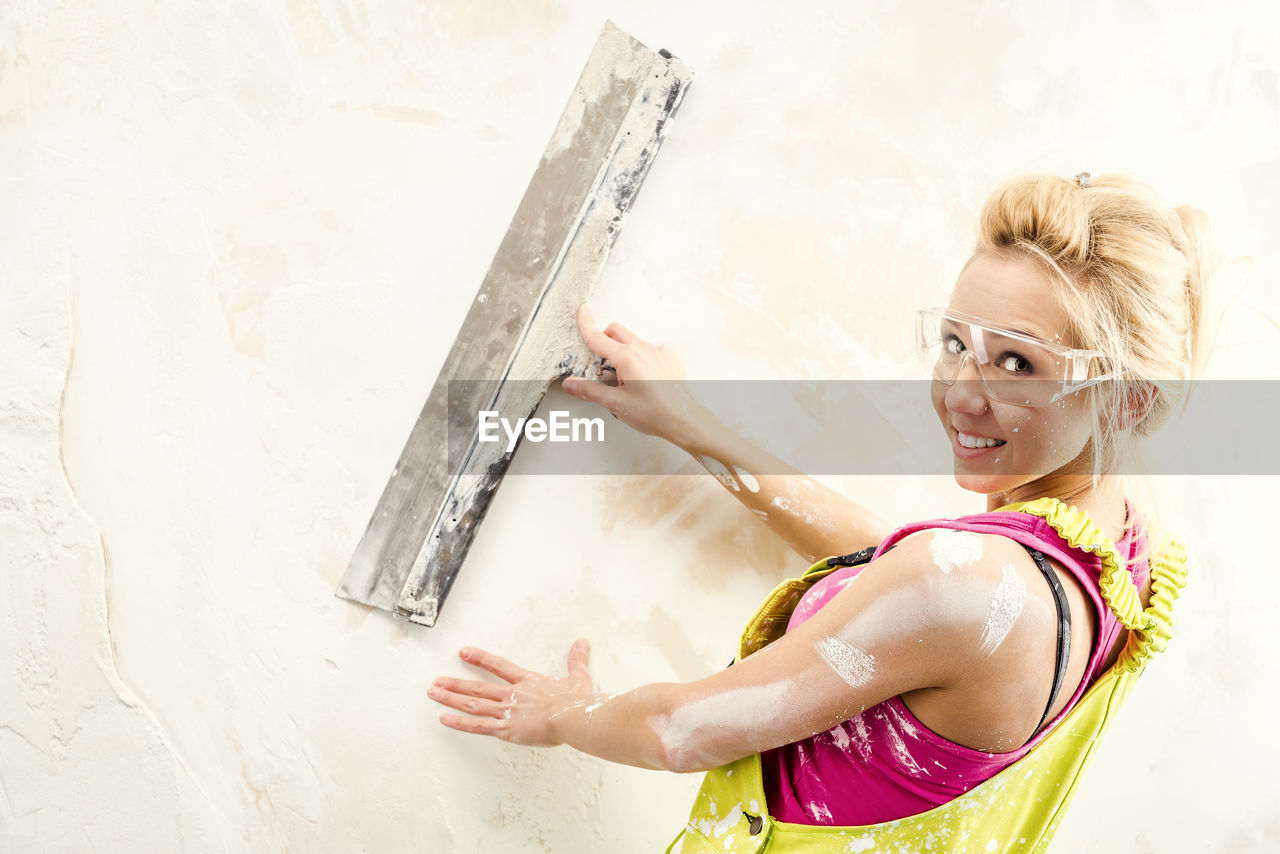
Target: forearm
(620, 727)
(813, 519)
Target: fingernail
(465, 651)
(586, 309)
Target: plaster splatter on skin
(720, 471)
(855, 666)
(598, 703)
(742, 710)
(952, 550)
(805, 507)
(747, 480)
(1006, 605)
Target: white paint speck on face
(1006, 605)
(747, 480)
(953, 549)
(855, 666)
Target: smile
(974, 442)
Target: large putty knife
(520, 334)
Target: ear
(1140, 397)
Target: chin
(986, 484)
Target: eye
(952, 346)
(1012, 363)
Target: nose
(966, 393)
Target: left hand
(524, 710)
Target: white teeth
(978, 441)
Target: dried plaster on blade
(625, 62)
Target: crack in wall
(110, 666)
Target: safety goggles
(1014, 367)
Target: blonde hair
(1132, 274)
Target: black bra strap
(1064, 628)
(854, 559)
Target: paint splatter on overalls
(1018, 809)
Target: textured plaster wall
(236, 240)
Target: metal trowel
(520, 334)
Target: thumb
(578, 655)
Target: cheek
(1053, 432)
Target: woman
(941, 689)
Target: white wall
(236, 241)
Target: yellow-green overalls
(1018, 809)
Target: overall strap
(1064, 628)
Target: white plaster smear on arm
(742, 711)
(855, 666)
(720, 471)
(1006, 605)
(952, 549)
(747, 480)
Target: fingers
(618, 332)
(480, 726)
(483, 690)
(495, 664)
(595, 392)
(469, 704)
(578, 655)
(599, 343)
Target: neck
(1104, 501)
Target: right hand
(651, 395)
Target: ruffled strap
(1150, 629)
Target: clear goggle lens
(1013, 367)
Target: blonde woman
(940, 685)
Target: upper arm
(900, 625)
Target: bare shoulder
(937, 588)
(979, 588)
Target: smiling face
(1029, 442)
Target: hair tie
(1082, 179)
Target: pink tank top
(885, 764)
